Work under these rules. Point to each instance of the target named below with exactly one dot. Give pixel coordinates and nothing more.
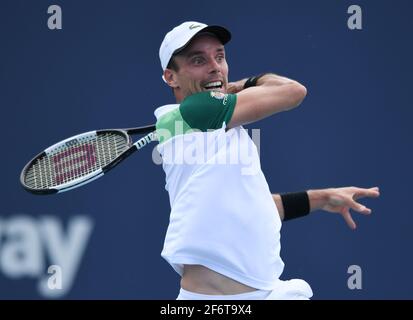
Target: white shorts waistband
(253, 295)
(295, 289)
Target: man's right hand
(272, 94)
(237, 86)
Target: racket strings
(67, 163)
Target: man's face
(202, 67)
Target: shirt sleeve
(208, 110)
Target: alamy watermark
(355, 280)
(354, 22)
(214, 147)
(54, 282)
(54, 22)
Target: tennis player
(224, 232)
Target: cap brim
(220, 32)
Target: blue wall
(102, 71)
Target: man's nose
(214, 66)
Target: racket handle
(145, 140)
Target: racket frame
(130, 148)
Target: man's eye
(197, 60)
(220, 58)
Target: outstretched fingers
(361, 193)
(347, 217)
(360, 208)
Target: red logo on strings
(74, 162)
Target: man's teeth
(211, 85)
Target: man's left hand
(341, 200)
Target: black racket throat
(141, 130)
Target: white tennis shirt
(222, 215)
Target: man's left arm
(336, 200)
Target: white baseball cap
(176, 39)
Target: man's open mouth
(214, 85)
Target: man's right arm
(272, 94)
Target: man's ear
(170, 78)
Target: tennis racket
(81, 159)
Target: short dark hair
(172, 64)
